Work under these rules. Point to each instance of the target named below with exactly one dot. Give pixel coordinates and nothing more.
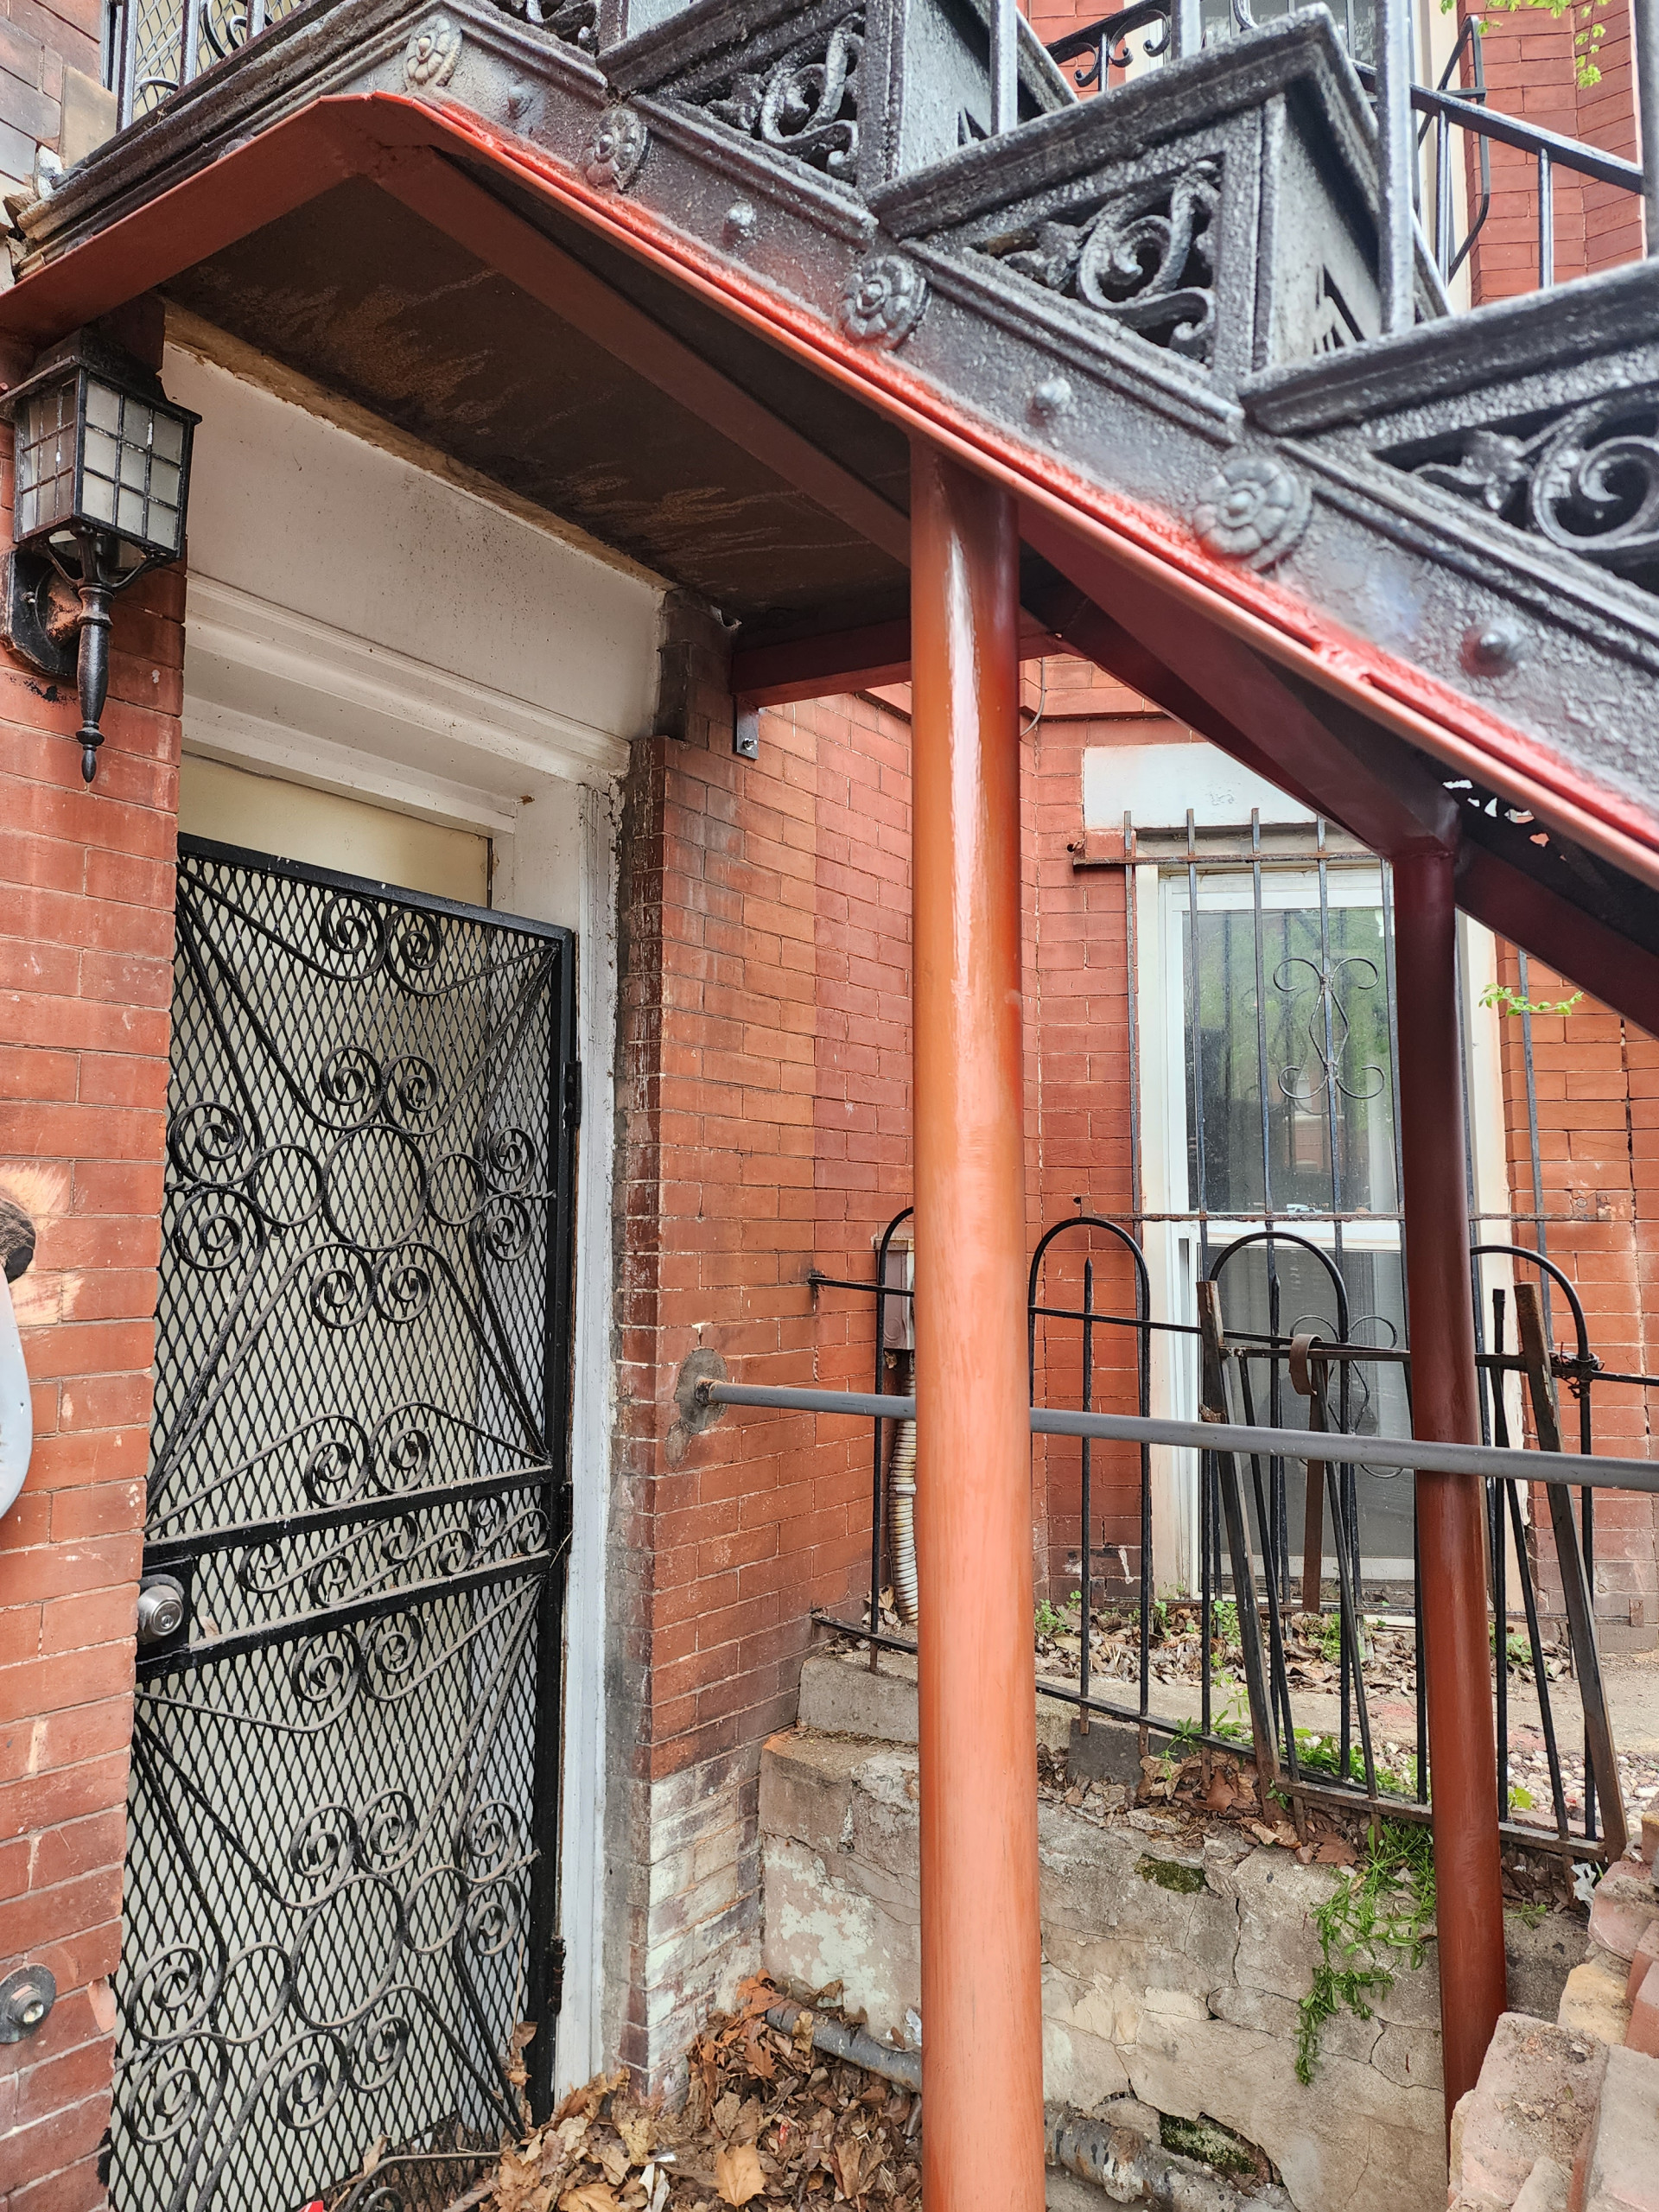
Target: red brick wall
(1596, 1078)
(86, 981)
(765, 1129)
(1530, 73)
(36, 43)
(764, 1126)
(1077, 1114)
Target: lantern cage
(102, 476)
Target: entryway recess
(341, 1891)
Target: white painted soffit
(263, 672)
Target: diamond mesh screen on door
(341, 1880)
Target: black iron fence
(1279, 1634)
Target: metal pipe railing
(1491, 1461)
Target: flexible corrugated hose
(901, 1503)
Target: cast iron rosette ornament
(616, 148)
(431, 57)
(102, 460)
(882, 301)
(1254, 510)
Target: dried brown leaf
(589, 2197)
(639, 2131)
(757, 2056)
(613, 2160)
(737, 2173)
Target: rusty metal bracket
(1307, 1373)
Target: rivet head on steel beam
(741, 220)
(882, 301)
(1052, 398)
(1492, 648)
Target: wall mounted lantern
(102, 478)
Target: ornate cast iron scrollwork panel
(1585, 477)
(339, 1890)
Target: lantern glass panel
(46, 459)
(124, 483)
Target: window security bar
(1574, 1469)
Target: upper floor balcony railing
(1454, 127)
(1435, 139)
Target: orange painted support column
(1451, 1514)
(981, 1991)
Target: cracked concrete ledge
(1170, 1974)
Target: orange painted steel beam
(816, 666)
(1551, 928)
(1451, 1509)
(981, 1993)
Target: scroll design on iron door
(339, 1898)
(805, 105)
(1146, 259)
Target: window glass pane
(98, 499)
(129, 515)
(1318, 1028)
(167, 438)
(134, 466)
(164, 482)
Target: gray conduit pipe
(856, 2045)
(1119, 2160)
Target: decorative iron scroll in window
(1587, 481)
(806, 104)
(157, 46)
(1145, 257)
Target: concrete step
(844, 1695)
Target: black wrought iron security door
(342, 1882)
